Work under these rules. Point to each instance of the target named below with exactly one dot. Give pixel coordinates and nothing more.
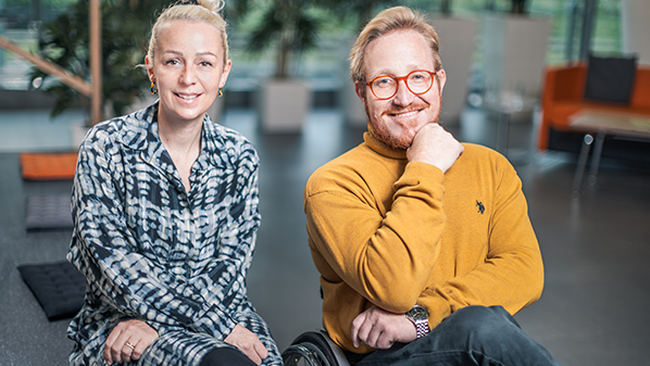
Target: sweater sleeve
(384, 256)
(512, 273)
(103, 249)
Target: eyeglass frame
(404, 79)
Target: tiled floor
(593, 312)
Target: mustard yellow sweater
(388, 232)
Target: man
(424, 244)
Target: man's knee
(483, 323)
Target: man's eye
(384, 82)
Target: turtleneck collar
(381, 148)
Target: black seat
(314, 348)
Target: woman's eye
(171, 62)
(205, 63)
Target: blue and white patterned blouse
(152, 251)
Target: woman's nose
(189, 75)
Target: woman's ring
(129, 345)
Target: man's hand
(380, 329)
(128, 340)
(247, 342)
(435, 146)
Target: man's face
(396, 120)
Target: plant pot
(456, 37)
(514, 54)
(354, 113)
(283, 105)
(352, 106)
(635, 28)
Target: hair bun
(214, 6)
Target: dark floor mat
(58, 287)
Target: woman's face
(188, 69)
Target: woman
(165, 204)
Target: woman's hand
(247, 342)
(128, 340)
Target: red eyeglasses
(418, 82)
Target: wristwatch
(419, 316)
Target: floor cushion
(45, 211)
(48, 166)
(58, 287)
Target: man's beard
(402, 142)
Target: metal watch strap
(421, 328)
(419, 316)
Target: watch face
(418, 312)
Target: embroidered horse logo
(481, 208)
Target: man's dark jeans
(475, 335)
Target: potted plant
(635, 28)
(290, 29)
(125, 31)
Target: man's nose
(404, 96)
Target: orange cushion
(48, 166)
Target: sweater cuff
(424, 170)
(422, 177)
(416, 172)
(438, 310)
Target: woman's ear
(149, 66)
(224, 74)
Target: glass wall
(20, 21)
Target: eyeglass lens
(418, 82)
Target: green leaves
(288, 26)
(125, 33)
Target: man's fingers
(356, 324)
(360, 330)
(365, 331)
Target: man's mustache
(413, 107)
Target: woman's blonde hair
(195, 11)
(396, 18)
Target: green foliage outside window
(125, 33)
